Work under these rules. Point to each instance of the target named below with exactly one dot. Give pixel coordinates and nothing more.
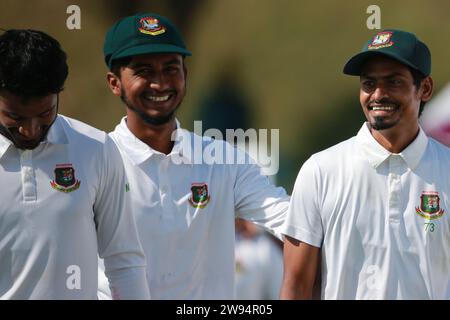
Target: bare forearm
(300, 266)
(292, 290)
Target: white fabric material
(259, 268)
(358, 202)
(190, 250)
(49, 239)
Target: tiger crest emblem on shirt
(65, 180)
(199, 195)
(430, 207)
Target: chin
(381, 125)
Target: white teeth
(383, 108)
(157, 99)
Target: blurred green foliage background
(280, 59)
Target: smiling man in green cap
(184, 208)
(374, 209)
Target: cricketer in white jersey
(65, 202)
(184, 208)
(185, 213)
(63, 198)
(375, 207)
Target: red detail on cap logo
(151, 26)
(381, 40)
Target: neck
(156, 137)
(393, 140)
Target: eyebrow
(389, 76)
(142, 64)
(49, 109)
(19, 115)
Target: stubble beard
(379, 123)
(153, 121)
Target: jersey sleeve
(258, 200)
(303, 220)
(118, 242)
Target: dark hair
(119, 63)
(417, 79)
(32, 64)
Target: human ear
(114, 83)
(426, 89)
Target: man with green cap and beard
(373, 210)
(185, 205)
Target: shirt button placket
(164, 189)
(29, 191)
(395, 166)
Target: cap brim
(354, 66)
(150, 49)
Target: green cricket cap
(399, 45)
(143, 33)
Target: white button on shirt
(50, 237)
(378, 218)
(189, 245)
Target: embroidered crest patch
(65, 178)
(430, 206)
(151, 26)
(381, 40)
(199, 195)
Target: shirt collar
(5, 143)
(138, 151)
(377, 154)
(56, 135)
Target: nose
(158, 81)
(379, 93)
(30, 129)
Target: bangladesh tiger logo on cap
(430, 206)
(152, 26)
(65, 178)
(381, 40)
(199, 195)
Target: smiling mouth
(384, 107)
(153, 98)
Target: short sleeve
(303, 221)
(258, 200)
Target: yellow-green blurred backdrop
(284, 58)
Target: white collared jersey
(185, 212)
(381, 219)
(61, 204)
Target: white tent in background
(435, 119)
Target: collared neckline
(376, 154)
(5, 143)
(56, 135)
(138, 151)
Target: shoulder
(433, 143)
(437, 149)
(213, 150)
(334, 155)
(205, 140)
(78, 131)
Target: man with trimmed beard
(373, 210)
(185, 209)
(63, 198)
